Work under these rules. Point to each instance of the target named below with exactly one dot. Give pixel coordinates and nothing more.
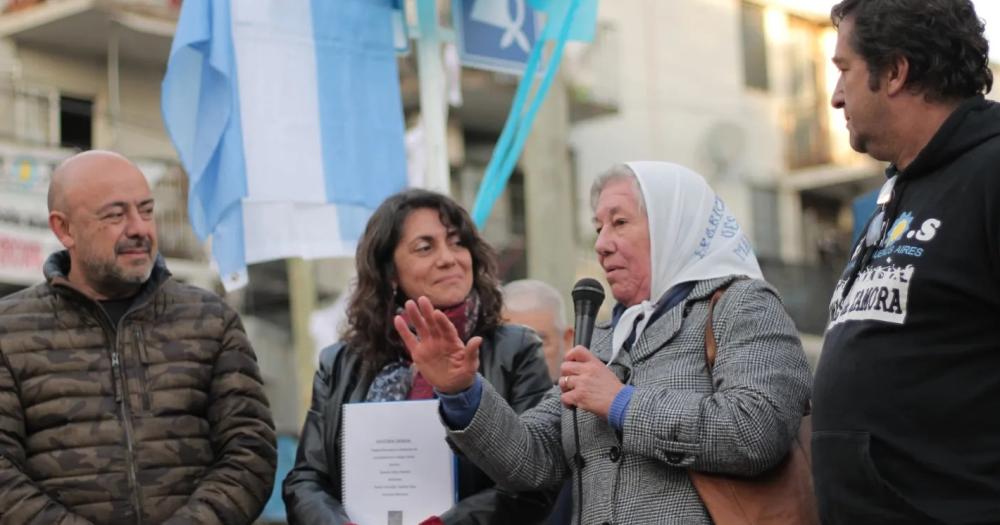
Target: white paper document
(398, 469)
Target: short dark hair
(941, 39)
(374, 301)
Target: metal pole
(548, 185)
(114, 86)
(433, 110)
(302, 303)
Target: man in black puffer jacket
(125, 397)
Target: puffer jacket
(160, 419)
(511, 360)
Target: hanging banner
(495, 35)
(25, 238)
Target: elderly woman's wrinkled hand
(587, 383)
(439, 354)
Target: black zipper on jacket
(114, 377)
(118, 377)
(125, 407)
(120, 386)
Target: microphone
(588, 294)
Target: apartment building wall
(739, 91)
(138, 129)
(682, 99)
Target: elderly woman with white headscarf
(647, 407)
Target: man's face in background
(555, 341)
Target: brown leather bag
(783, 495)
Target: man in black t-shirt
(907, 391)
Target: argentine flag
(288, 118)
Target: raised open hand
(439, 354)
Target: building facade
(739, 91)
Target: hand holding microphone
(585, 381)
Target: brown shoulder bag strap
(711, 347)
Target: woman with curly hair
(417, 245)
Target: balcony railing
(29, 115)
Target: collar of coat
(56, 269)
(663, 329)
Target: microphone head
(588, 290)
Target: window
(807, 140)
(754, 46)
(75, 122)
(512, 259)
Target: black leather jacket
(511, 360)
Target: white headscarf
(692, 237)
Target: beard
(112, 279)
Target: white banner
(25, 238)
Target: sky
(988, 10)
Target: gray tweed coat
(741, 420)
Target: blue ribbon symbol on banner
(498, 14)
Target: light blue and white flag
(288, 118)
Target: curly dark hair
(374, 301)
(941, 39)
